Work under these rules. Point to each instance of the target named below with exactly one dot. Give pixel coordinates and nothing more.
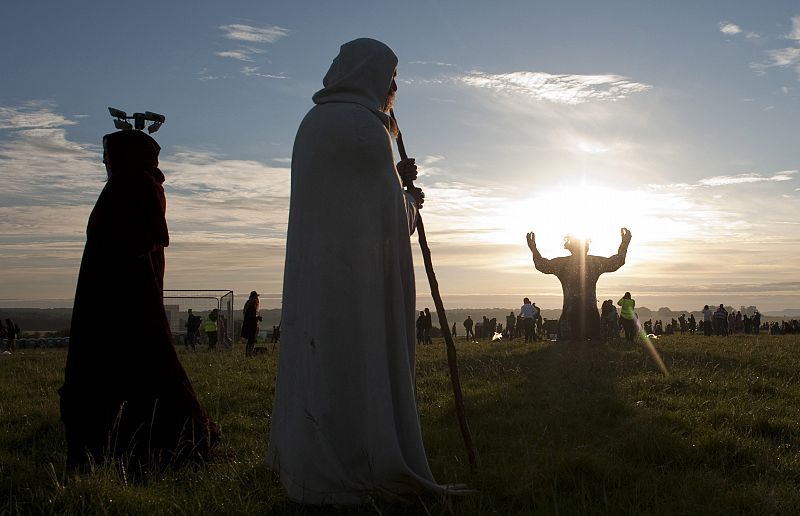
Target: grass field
(562, 428)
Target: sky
(677, 120)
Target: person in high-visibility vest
(210, 327)
(627, 316)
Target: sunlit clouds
(560, 89)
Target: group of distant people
(215, 328)
(9, 332)
(527, 324)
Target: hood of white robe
(362, 73)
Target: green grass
(562, 428)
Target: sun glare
(589, 212)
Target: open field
(562, 428)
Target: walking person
(468, 333)
(627, 316)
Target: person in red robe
(125, 392)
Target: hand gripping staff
(452, 361)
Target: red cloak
(125, 392)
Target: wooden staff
(452, 361)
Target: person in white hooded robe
(345, 423)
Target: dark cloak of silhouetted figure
(125, 392)
(578, 274)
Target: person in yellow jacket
(627, 316)
(210, 327)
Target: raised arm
(613, 263)
(542, 264)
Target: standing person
(12, 332)
(222, 331)
(250, 321)
(692, 324)
(721, 320)
(345, 423)
(528, 314)
(468, 323)
(118, 383)
(537, 322)
(421, 322)
(511, 319)
(192, 329)
(210, 328)
(428, 326)
(627, 316)
(756, 322)
(707, 319)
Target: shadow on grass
(560, 429)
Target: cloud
(560, 89)
(433, 63)
(784, 56)
(750, 177)
(33, 114)
(241, 54)
(752, 35)
(795, 34)
(253, 71)
(240, 32)
(729, 28)
(785, 175)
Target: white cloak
(345, 421)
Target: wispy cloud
(240, 32)
(795, 33)
(559, 89)
(784, 56)
(33, 114)
(729, 28)
(785, 175)
(242, 54)
(737, 179)
(434, 63)
(254, 71)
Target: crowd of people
(624, 322)
(528, 324)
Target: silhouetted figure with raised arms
(578, 274)
(125, 394)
